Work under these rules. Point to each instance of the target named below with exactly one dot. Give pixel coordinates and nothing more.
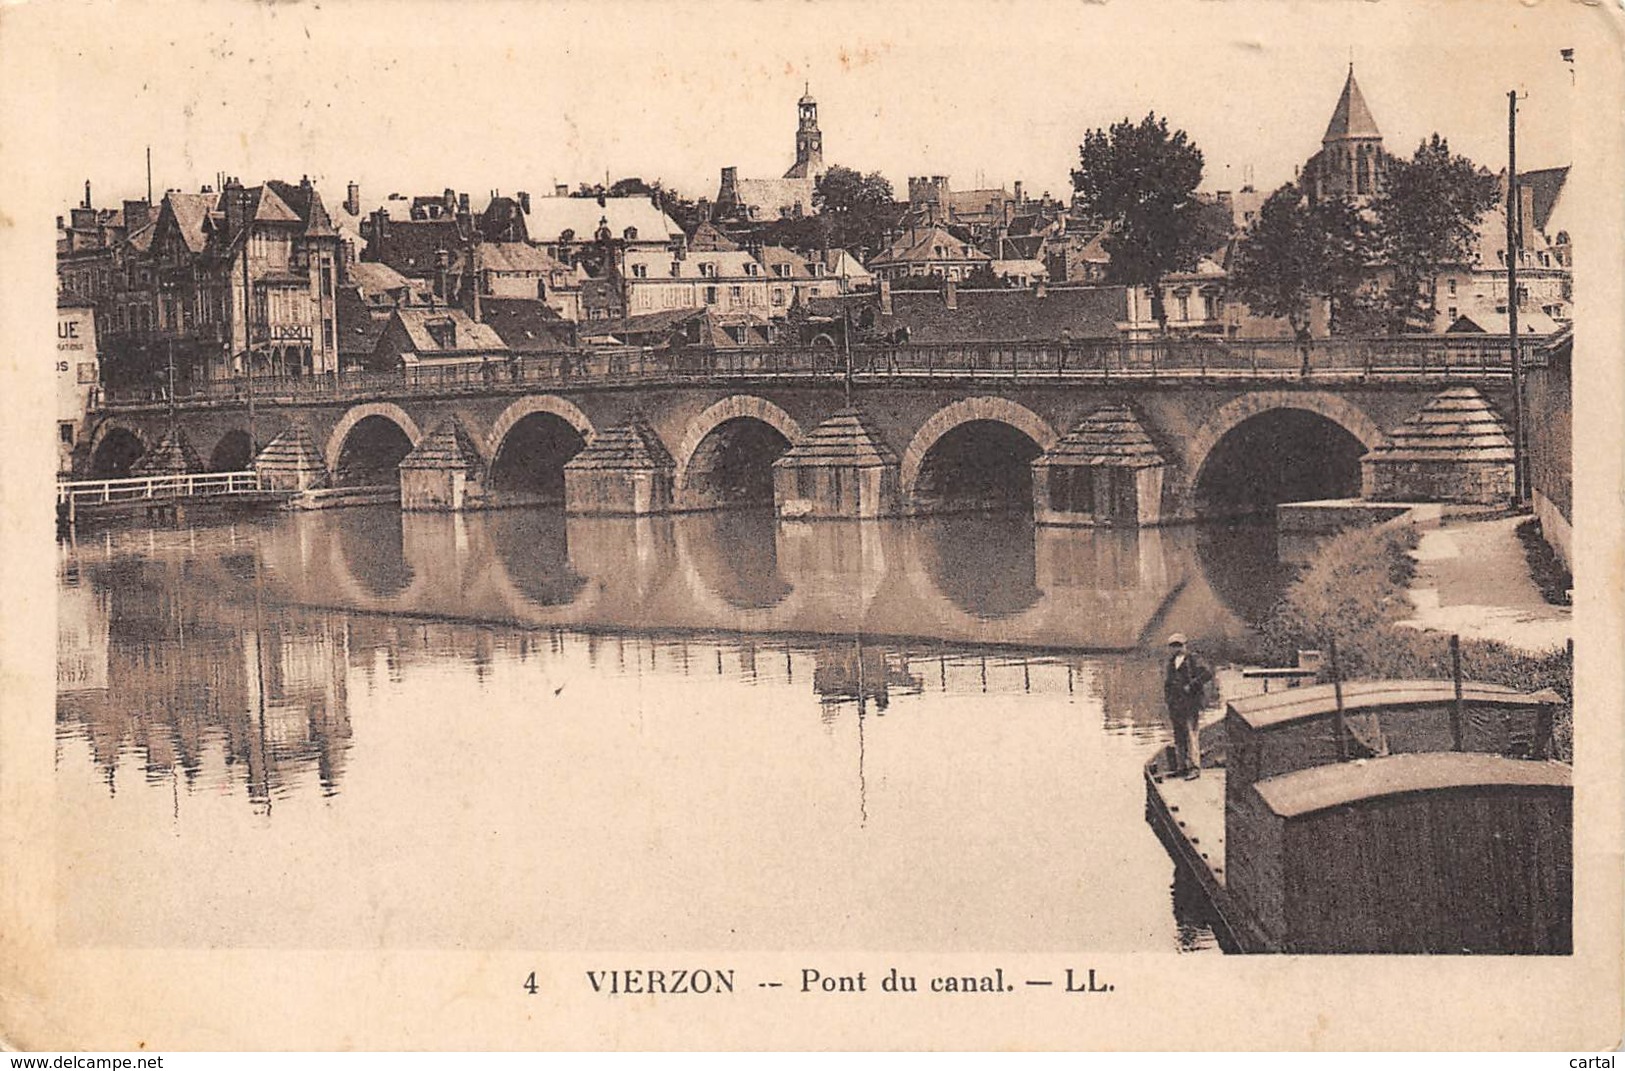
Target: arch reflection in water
(983, 565)
(534, 549)
(735, 556)
(373, 549)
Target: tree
(1140, 180)
(1427, 215)
(856, 209)
(1296, 253)
(982, 277)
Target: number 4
(530, 983)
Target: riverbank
(1357, 590)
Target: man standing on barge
(1184, 687)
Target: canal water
(357, 728)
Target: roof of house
(1351, 118)
(374, 278)
(358, 328)
(469, 334)
(930, 245)
(409, 246)
(977, 202)
(844, 265)
(1082, 312)
(647, 323)
(709, 238)
(550, 217)
(307, 205)
(516, 256)
(189, 211)
(1547, 185)
(525, 323)
(772, 255)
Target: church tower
(809, 142)
(1351, 160)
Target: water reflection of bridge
(245, 644)
(973, 580)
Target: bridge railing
(133, 488)
(1173, 359)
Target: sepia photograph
(642, 522)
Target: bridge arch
(767, 424)
(114, 447)
(383, 428)
(1253, 410)
(233, 452)
(983, 411)
(565, 410)
(529, 443)
(355, 415)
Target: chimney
(524, 202)
(442, 274)
(475, 283)
(137, 214)
(380, 227)
(885, 297)
(352, 198)
(560, 190)
(950, 294)
(1019, 198)
(87, 193)
(235, 201)
(1040, 289)
(462, 202)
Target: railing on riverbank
(1325, 360)
(72, 494)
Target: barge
(1376, 816)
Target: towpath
(1472, 578)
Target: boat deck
(1196, 807)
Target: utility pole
(1514, 245)
(846, 347)
(248, 343)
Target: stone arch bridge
(1084, 450)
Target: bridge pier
(443, 472)
(625, 470)
(842, 468)
(1106, 472)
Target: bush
(1354, 591)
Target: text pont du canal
(681, 982)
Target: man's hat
(1177, 638)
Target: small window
(736, 292)
(640, 271)
(778, 297)
(1451, 314)
(1452, 288)
(710, 295)
(65, 429)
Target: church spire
(1351, 118)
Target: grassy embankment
(1354, 589)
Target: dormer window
(676, 268)
(640, 271)
(444, 333)
(630, 234)
(782, 270)
(750, 269)
(566, 236)
(708, 269)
